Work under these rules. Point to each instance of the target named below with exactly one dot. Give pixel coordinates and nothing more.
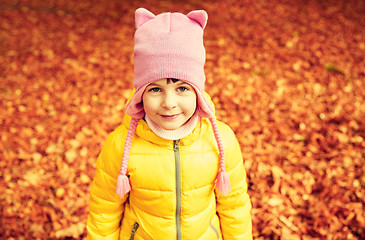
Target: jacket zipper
(134, 229)
(178, 189)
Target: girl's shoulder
(118, 135)
(120, 130)
(224, 127)
(225, 132)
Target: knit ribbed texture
(223, 182)
(179, 133)
(123, 185)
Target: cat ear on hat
(199, 16)
(142, 16)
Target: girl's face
(170, 103)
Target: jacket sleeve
(105, 207)
(234, 210)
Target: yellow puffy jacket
(173, 188)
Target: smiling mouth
(169, 117)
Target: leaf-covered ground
(287, 76)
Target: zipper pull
(176, 145)
(134, 229)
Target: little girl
(170, 171)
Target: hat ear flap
(142, 16)
(199, 16)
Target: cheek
(191, 104)
(149, 104)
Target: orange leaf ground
(288, 76)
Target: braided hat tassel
(123, 184)
(223, 183)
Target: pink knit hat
(169, 45)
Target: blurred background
(287, 76)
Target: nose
(169, 100)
